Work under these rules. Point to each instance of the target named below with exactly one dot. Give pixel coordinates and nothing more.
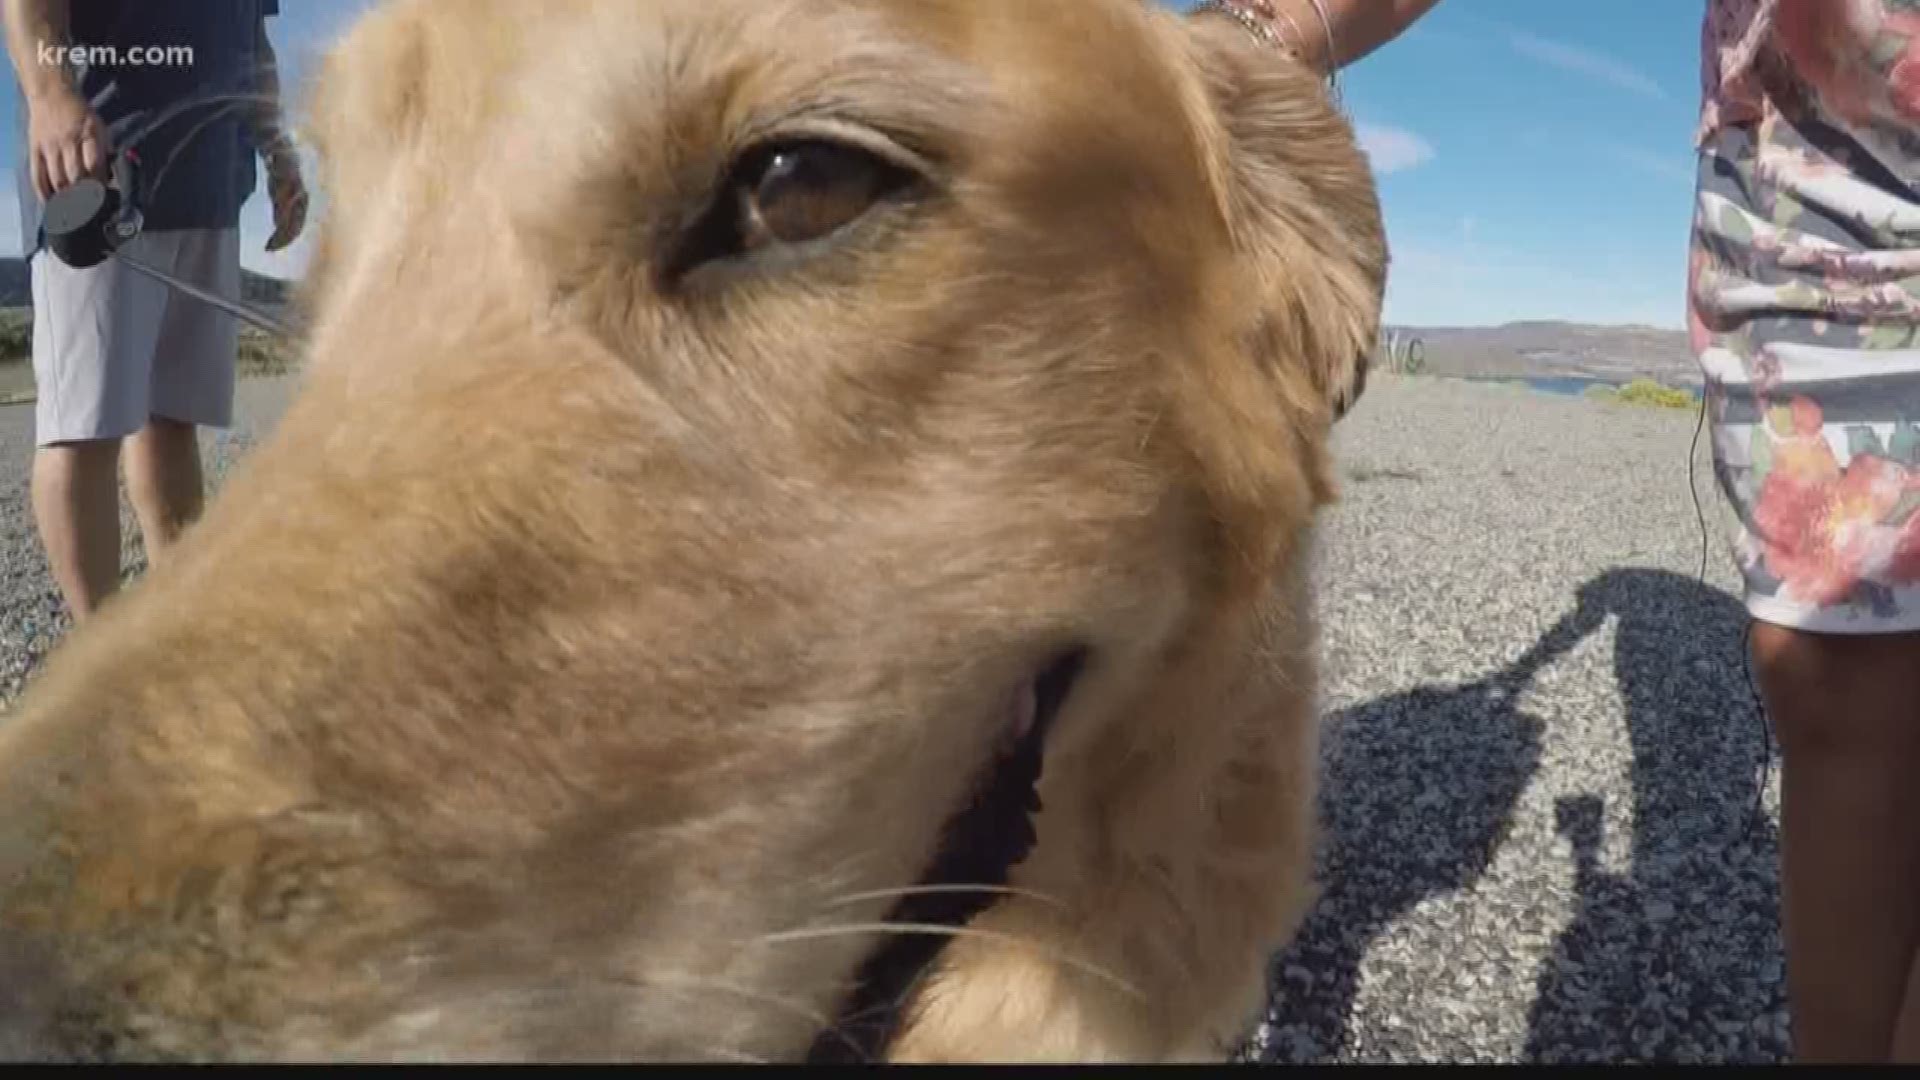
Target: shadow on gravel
(1419, 790)
(1657, 962)
(1679, 958)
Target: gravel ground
(1547, 838)
(32, 618)
(1542, 757)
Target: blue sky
(1535, 159)
(1534, 156)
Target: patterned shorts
(1804, 287)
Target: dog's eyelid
(859, 136)
(713, 234)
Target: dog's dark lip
(982, 843)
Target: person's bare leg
(1847, 709)
(76, 507)
(164, 482)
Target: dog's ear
(1301, 206)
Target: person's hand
(288, 193)
(66, 141)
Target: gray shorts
(112, 347)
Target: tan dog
(735, 432)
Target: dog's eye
(804, 191)
(791, 193)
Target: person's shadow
(1417, 792)
(1419, 789)
(1679, 957)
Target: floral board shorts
(1804, 312)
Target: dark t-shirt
(197, 167)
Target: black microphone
(86, 221)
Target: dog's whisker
(165, 116)
(778, 1003)
(818, 932)
(923, 890)
(694, 984)
(702, 984)
(160, 178)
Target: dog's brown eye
(788, 194)
(803, 191)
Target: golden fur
(588, 658)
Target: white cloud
(1582, 61)
(1392, 149)
(1668, 167)
(1673, 166)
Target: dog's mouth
(979, 847)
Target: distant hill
(17, 291)
(1546, 349)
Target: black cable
(1693, 485)
(1746, 637)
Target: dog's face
(736, 433)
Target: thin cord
(1333, 53)
(1693, 485)
(160, 178)
(1766, 734)
(1746, 636)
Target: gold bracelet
(1259, 17)
(1263, 30)
(1333, 50)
